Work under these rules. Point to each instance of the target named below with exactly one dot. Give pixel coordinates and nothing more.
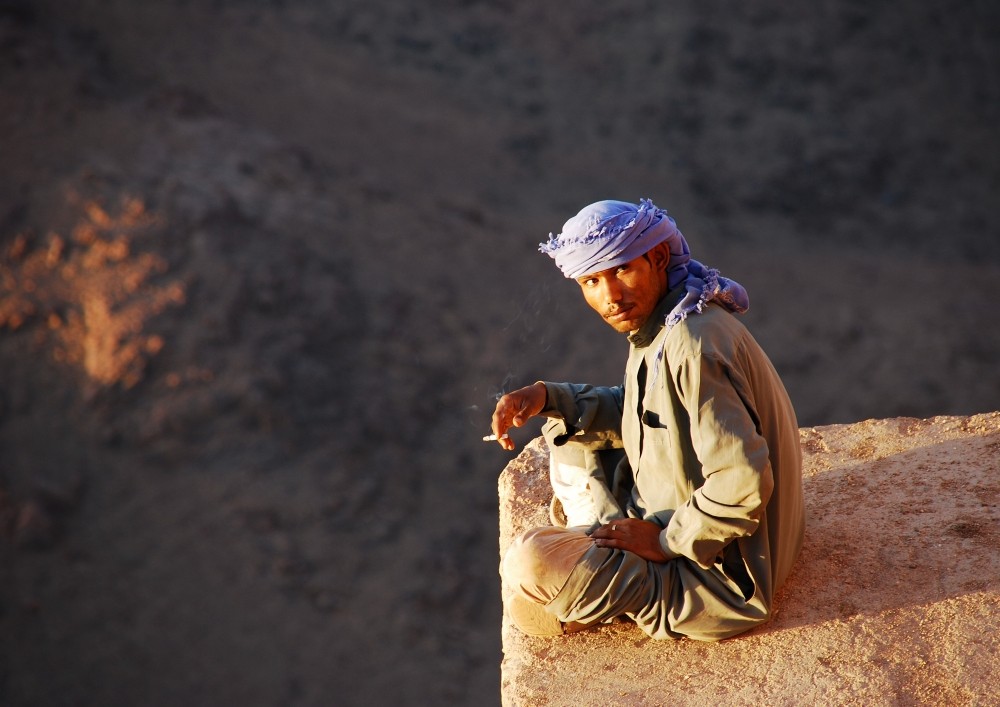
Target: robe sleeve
(734, 463)
(592, 414)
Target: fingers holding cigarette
(503, 440)
(514, 409)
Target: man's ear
(660, 256)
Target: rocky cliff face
(264, 267)
(893, 600)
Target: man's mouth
(619, 315)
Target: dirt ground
(265, 266)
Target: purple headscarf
(609, 233)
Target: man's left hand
(633, 534)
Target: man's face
(626, 295)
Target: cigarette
(493, 438)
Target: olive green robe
(712, 456)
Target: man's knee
(521, 563)
(538, 563)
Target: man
(693, 531)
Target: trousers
(539, 562)
(571, 578)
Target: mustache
(612, 311)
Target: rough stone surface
(895, 599)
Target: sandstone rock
(894, 600)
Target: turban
(607, 234)
(610, 233)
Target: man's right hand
(515, 409)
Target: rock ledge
(895, 599)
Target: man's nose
(612, 293)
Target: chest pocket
(655, 430)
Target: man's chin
(625, 326)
